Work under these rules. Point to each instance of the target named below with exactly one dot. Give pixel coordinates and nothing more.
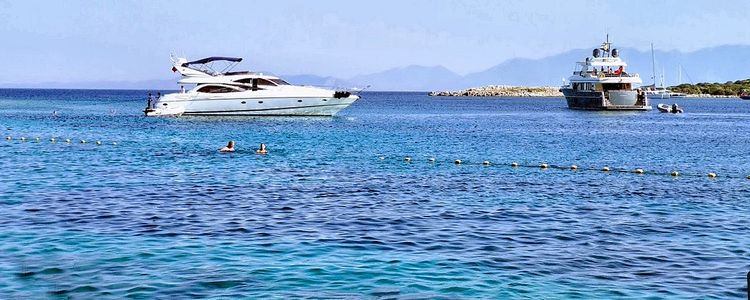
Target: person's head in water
(261, 149)
(228, 148)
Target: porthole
(260, 101)
(325, 99)
(164, 104)
(243, 102)
(300, 100)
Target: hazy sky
(69, 41)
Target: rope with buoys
(54, 140)
(573, 167)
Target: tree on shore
(729, 88)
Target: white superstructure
(600, 82)
(243, 94)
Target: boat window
(216, 89)
(279, 82)
(245, 80)
(616, 86)
(262, 81)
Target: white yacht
(602, 83)
(658, 93)
(243, 93)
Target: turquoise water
(162, 214)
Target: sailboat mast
(653, 65)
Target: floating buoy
(432, 159)
(114, 144)
(514, 164)
(8, 138)
(98, 142)
(606, 169)
(544, 166)
(52, 140)
(67, 141)
(83, 141)
(574, 167)
(408, 158)
(711, 175)
(748, 176)
(675, 173)
(458, 162)
(486, 162)
(638, 171)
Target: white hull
(658, 96)
(269, 106)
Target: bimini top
(211, 59)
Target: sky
(75, 41)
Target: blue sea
(335, 211)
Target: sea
(99, 202)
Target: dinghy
(666, 108)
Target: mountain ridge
(716, 64)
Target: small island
(502, 91)
(706, 89)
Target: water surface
(161, 214)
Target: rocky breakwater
(503, 91)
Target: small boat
(666, 108)
(745, 96)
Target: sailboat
(679, 81)
(660, 92)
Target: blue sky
(70, 41)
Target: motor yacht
(243, 93)
(600, 82)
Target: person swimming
(228, 148)
(262, 149)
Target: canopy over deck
(212, 59)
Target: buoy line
(54, 140)
(572, 167)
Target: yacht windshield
(214, 89)
(279, 81)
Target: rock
(502, 91)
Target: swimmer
(228, 148)
(262, 149)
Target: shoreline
(501, 91)
(535, 92)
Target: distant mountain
(716, 64)
(411, 78)
(320, 81)
(165, 84)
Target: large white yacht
(243, 93)
(602, 83)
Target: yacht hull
(611, 100)
(269, 106)
(658, 96)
